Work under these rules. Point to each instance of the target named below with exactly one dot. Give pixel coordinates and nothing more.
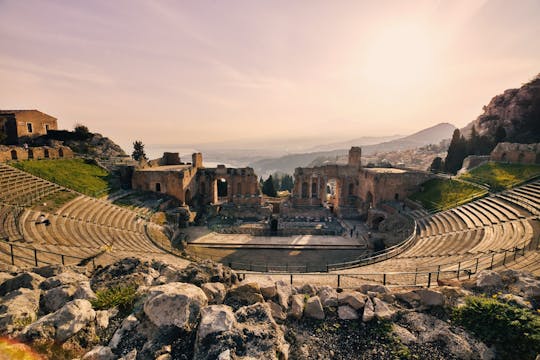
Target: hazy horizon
(256, 72)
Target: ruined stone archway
(14, 155)
(61, 152)
(222, 188)
(304, 190)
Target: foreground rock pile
(205, 312)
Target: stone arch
(30, 153)
(61, 152)
(521, 156)
(222, 187)
(503, 156)
(314, 193)
(376, 221)
(14, 154)
(239, 188)
(396, 196)
(157, 186)
(304, 190)
(46, 153)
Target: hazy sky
(203, 71)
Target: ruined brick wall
(11, 153)
(516, 153)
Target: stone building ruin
(18, 124)
(516, 153)
(351, 187)
(195, 185)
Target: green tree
(268, 187)
(437, 165)
(138, 151)
(456, 153)
(276, 180)
(82, 130)
(287, 183)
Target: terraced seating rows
(23, 189)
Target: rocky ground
(135, 309)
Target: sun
(399, 57)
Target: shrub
(514, 331)
(121, 296)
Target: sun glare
(398, 57)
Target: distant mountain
(287, 163)
(361, 141)
(516, 110)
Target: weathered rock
(527, 286)
(430, 297)
(488, 279)
(297, 306)
(268, 288)
(365, 288)
(57, 297)
(215, 319)
(5, 276)
(84, 291)
(382, 309)
(277, 311)
(429, 329)
(369, 311)
(176, 304)
(102, 319)
(128, 324)
(255, 335)
(207, 271)
(354, 299)
(243, 295)
(17, 309)
(132, 355)
(99, 353)
(411, 298)
(307, 289)
(50, 270)
(215, 292)
(314, 308)
(64, 278)
(328, 296)
(125, 272)
(345, 312)
(26, 280)
(404, 335)
(63, 323)
(284, 292)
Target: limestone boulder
(307, 289)
(207, 271)
(345, 312)
(430, 297)
(64, 278)
(215, 292)
(284, 292)
(409, 298)
(99, 353)
(243, 295)
(57, 297)
(369, 311)
(277, 311)
(129, 271)
(63, 323)
(128, 325)
(102, 319)
(84, 291)
(374, 288)
(314, 308)
(354, 299)
(428, 329)
(328, 296)
(18, 309)
(297, 306)
(27, 280)
(215, 319)
(488, 279)
(254, 335)
(177, 304)
(267, 287)
(50, 270)
(383, 310)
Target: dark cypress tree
(287, 183)
(500, 134)
(456, 153)
(138, 151)
(268, 187)
(437, 165)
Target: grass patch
(514, 331)
(52, 202)
(500, 176)
(442, 194)
(77, 174)
(122, 296)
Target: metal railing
(29, 255)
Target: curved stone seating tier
(9, 229)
